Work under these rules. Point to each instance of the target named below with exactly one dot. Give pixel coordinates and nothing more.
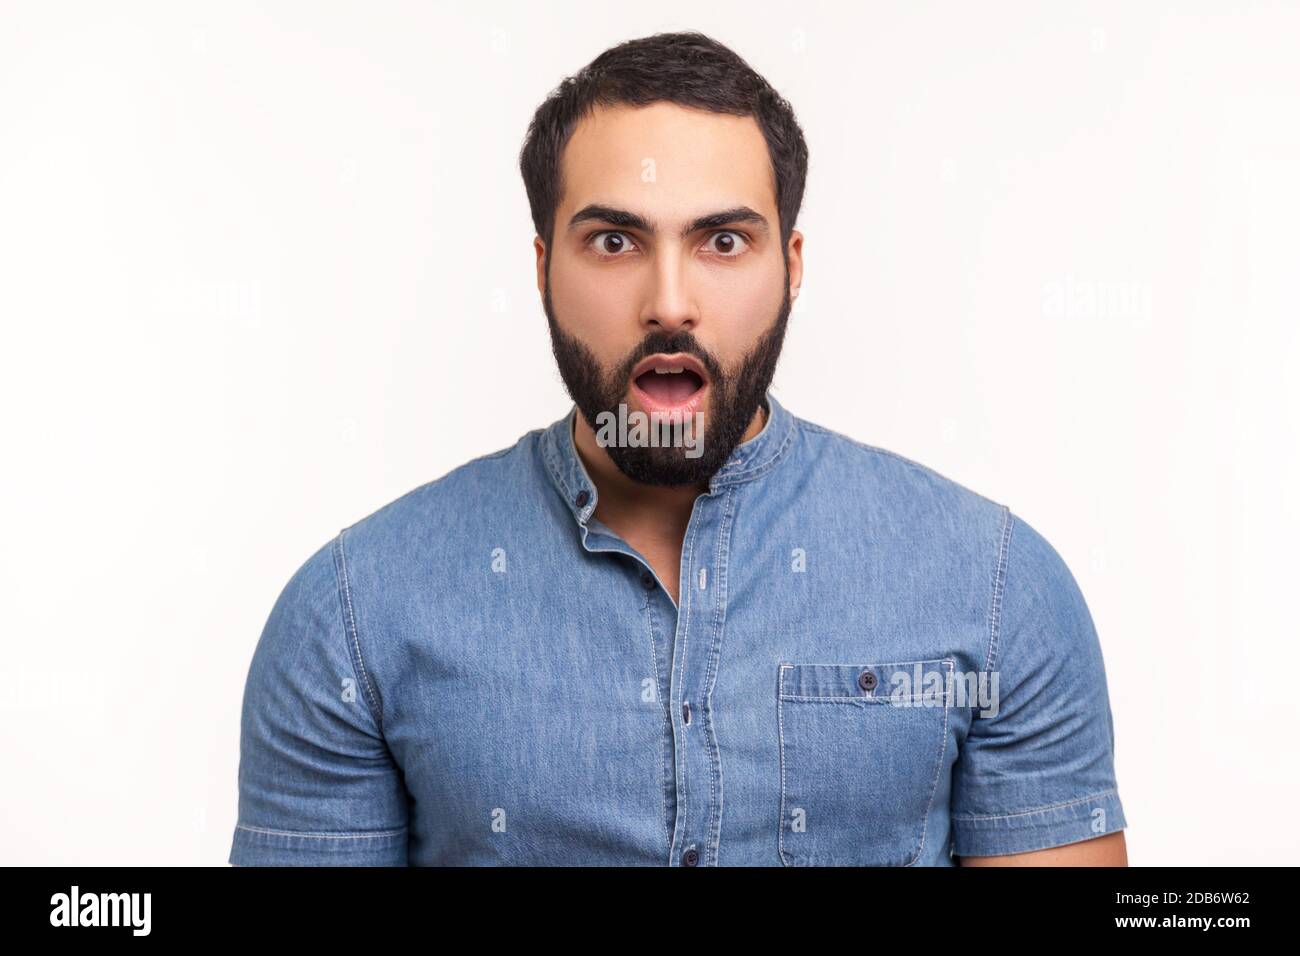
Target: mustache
(671, 344)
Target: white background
(264, 268)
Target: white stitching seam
(680, 652)
(324, 836)
(714, 832)
(1026, 813)
(999, 585)
(934, 785)
(780, 733)
(666, 705)
(352, 622)
(864, 699)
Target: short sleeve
(1037, 769)
(317, 783)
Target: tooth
(667, 371)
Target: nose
(670, 305)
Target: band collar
(748, 461)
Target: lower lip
(670, 411)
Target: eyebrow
(630, 220)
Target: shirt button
(647, 580)
(582, 499)
(867, 680)
(691, 857)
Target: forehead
(667, 157)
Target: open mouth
(670, 383)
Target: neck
(625, 499)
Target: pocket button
(867, 681)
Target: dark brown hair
(689, 69)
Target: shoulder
(392, 555)
(1041, 596)
(907, 488)
(306, 608)
(450, 505)
(1029, 583)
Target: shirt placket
(696, 646)
(693, 668)
(694, 780)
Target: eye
(612, 245)
(733, 244)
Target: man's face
(625, 296)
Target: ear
(794, 255)
(540, 248)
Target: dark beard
(734, 396)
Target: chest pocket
(861, 749)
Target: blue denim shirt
(481, 672)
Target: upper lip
(680, 359)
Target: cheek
(586, 303)
(742, 307)
(595, 311)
